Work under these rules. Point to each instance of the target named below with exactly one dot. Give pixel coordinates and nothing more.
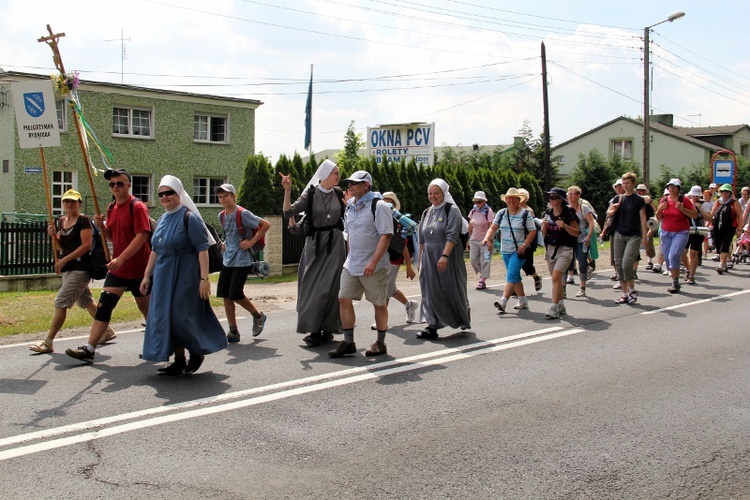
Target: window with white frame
(203, 190)
(132, 122)
(623, 147)
(141, 188)
(61, 182)
(62, 115)
(210, 128)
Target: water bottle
(600, 241)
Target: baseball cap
(72, 194)
(360, 176)
(228, 188)
(109, 173)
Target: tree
(595, 176)
(349, 156)
(257, 190)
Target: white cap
(225, 187)
(674, 182)
(360, 176)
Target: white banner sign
(402, 142)
(36, 114)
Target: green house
(203, 140)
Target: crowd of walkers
(356, 241)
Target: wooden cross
(51, 40)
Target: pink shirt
(480, 223)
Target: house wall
(7, 151)
(665, 151)
(170, 151)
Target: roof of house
(679, 133)
(9, 76)
(712, 131)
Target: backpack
(260, 244)
(97, 264)
(215, 254)
(151, 220)
(724, 215)
(486, 214)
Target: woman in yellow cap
(73, 235)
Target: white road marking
(695, 302)
(283, 390)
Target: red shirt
(673, 220)
(122, 229)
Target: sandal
(428, 334)
(42, 347)
(622, 300)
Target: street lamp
(646, 110)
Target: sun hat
(513, 192)
(695, 191)
(360, 176)
(674, 182)
(72, 194)
(712, 185)
(227, 188)
(558, 191)
(479, 195)
(641, 187)
(392, 196)
(726, 187)
(618, 182)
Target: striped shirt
(507, 245)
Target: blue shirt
(364, 232)
(234, 256)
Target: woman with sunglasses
(181, 317)
(560, 230)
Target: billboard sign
(402, 142)
(36, 114)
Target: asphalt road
(613, 401)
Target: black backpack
(97, 265)
(215, 253)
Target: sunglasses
(554, 198)
(352, 183)
(165, 193)
(119, 184)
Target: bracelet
(444, 255)
(205, 279)
(524, 244)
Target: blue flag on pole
(308, 115)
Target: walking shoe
(571, 281)
(674, 289)
(537, 283)
(665, 272)
(500, 304)
(553, 313)
(313, 339)
(42, 347)
(522, 304)
(428, 333)
(176, 368)
(109, 334)
(581, 292)
(376, 349)
(633, 297)
(196, 360)
(649, 266)
(613, 277)
(81, 353)
(561, 309)
(481, 285)
(233, 336)
(720, 270)
(716, 258)
(617, 286)
(691, 280)
(656, 268)
(343, 349)
(411, 311)
(258, 324)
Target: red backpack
(260, 245)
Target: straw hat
(513, 192)
(392, 196)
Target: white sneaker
(553, 313)
(561, 309)
(411, 311)
(374, 327)
(522, 304)
(581, 293)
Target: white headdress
(324, 170)
(176, 185)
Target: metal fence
(25, 246)
(292, 245)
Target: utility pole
(547, 160)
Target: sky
(471, 67)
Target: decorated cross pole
(52, 40)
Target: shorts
(74, 290)
(392, 276)
(695, 242)
(373, 287)
(723, 239)
(232, 282)
(558, 258)
(130, 285)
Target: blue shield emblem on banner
(34, 103)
